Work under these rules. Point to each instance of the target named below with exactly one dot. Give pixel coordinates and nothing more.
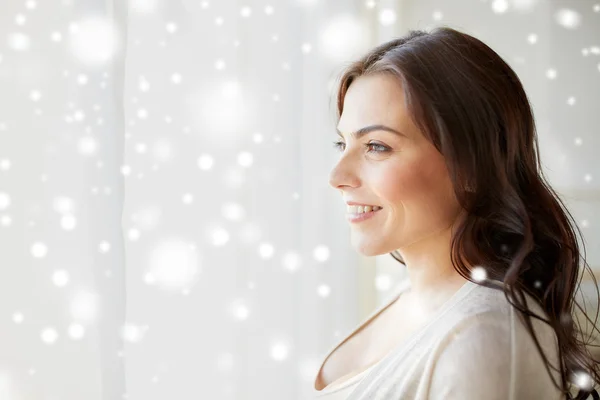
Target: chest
(371, 342)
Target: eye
(338, 145)
(381, 148)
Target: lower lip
(361, 217)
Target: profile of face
(401, 172)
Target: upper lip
(353, 203)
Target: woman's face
(402, 173)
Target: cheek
(419, 187)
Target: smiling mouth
(357, 217)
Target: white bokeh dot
(219, 236)
(39, 250)
(4, 201)
(94, 40)
(133, 234)
(104, 247)
(141, 148)
(266, 250)
(60, 278)
(87, 145)
(387, 17)
(279, 351)
(187, 198)
(176, 78)
(76, 331)
(171, 27)
(220, 64)
(245, 159)
(18, 317)
(383, 282)
(532, 38)
(19, 41)
(82, 79)
(321, 253)
(49, 335)
(240, 310)
(133, 333)
(126, 170)
(143, 84)
(568, 18)
(68, 222)
(343, 37)
(174, 264)
(232, 211)
(162, 149)
(258, 138)
(205, 162)
(35, 95)
(149, 278)
(324, 290)
(246, 12)
(499, 6)
(478, 274)
(291, 261)
(84, 305)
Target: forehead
(373, 99)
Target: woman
(439, 167)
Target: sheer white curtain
(61, 198)
(230, 123)
(168, 230)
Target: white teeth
(361, 209)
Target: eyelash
(338, 144)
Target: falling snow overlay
(167, 230)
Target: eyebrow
(370, 128)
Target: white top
(340, 391)
(474, 347)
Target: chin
(371, 251)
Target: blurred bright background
(167, 230)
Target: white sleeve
(475, 363)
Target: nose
(333, 178)
(342, 175)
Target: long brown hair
(472, 106)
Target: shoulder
(488, 353)
(473, 361)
